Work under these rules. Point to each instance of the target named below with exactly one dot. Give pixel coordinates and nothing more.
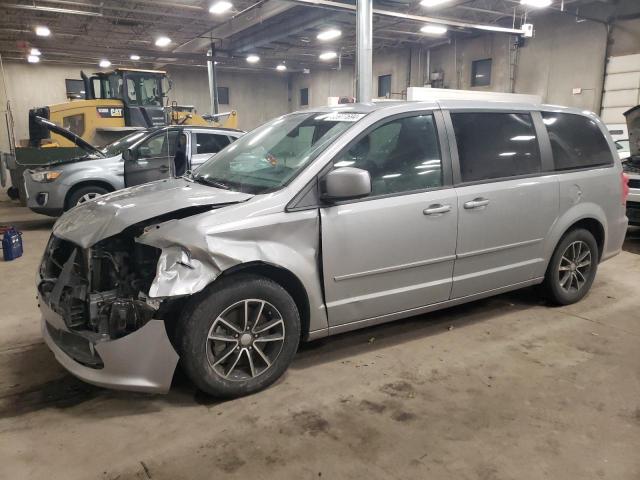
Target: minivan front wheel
(239, 336)
(572, 268)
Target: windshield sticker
(341, 117)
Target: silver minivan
(324, 221)
(160, 152)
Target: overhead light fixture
(42, 31)
(162, 41)
(329, 34)
(433, 3)
(281, 67)
(104, 63)
(35, 52)
(220, 7)
(327, 55)
(134, 57)
(536, 3)
(434, 29)
(253, 59)
(33, 59)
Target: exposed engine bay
(103, 288)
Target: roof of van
(447, 104)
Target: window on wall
(402, 155)
(481, 73)
(496, 145)
(223, 95)
(304, 96)
(576, 141)
(384, 86)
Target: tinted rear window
(496, 145)
(576, 141)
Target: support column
(213, 84)
(364, 50)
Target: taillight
(624, 179)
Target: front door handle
(164, 169)
(476, 203)
(436, 209)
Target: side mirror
(129, 155)
(346, 183)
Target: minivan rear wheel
(572, 268)
(239, 336)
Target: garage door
(621, 88)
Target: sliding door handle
(476, 203)
(436, 209)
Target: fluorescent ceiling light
(43, 31)
(329, 34)
(536, 3)
(522, 138)
(434, 29)
(162, 41)
(35, 51)
(253, 59)
(507, 154)
(433, 3)
(104, 63)
(281, 68)
(33, 59)
(220, 7)
(327, 55)
(134, 57)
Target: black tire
(572, 291)
(76, 195)
(13, 193)
(197, 322)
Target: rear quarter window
(576, 141)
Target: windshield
(267, 158)
(119, 146)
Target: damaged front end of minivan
(99, 317)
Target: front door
(393, 251)
(152, 159)
(506, 204)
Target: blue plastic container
(11, 244)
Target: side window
(576, 141)
(74, 123)
(400, 155)
(209, 143)
(160, 145)
(495, 145)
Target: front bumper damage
(143, 361)
(95, 325)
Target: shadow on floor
(64, 391)
(632, 240)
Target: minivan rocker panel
(120, 269)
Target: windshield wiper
(210, 182)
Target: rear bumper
(143, 361)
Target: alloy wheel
(86, 197)
(575, 266)
(245, 340)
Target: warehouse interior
(501, 387)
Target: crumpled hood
(110, 214)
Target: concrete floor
(498, 389)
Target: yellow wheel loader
(116, 103)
